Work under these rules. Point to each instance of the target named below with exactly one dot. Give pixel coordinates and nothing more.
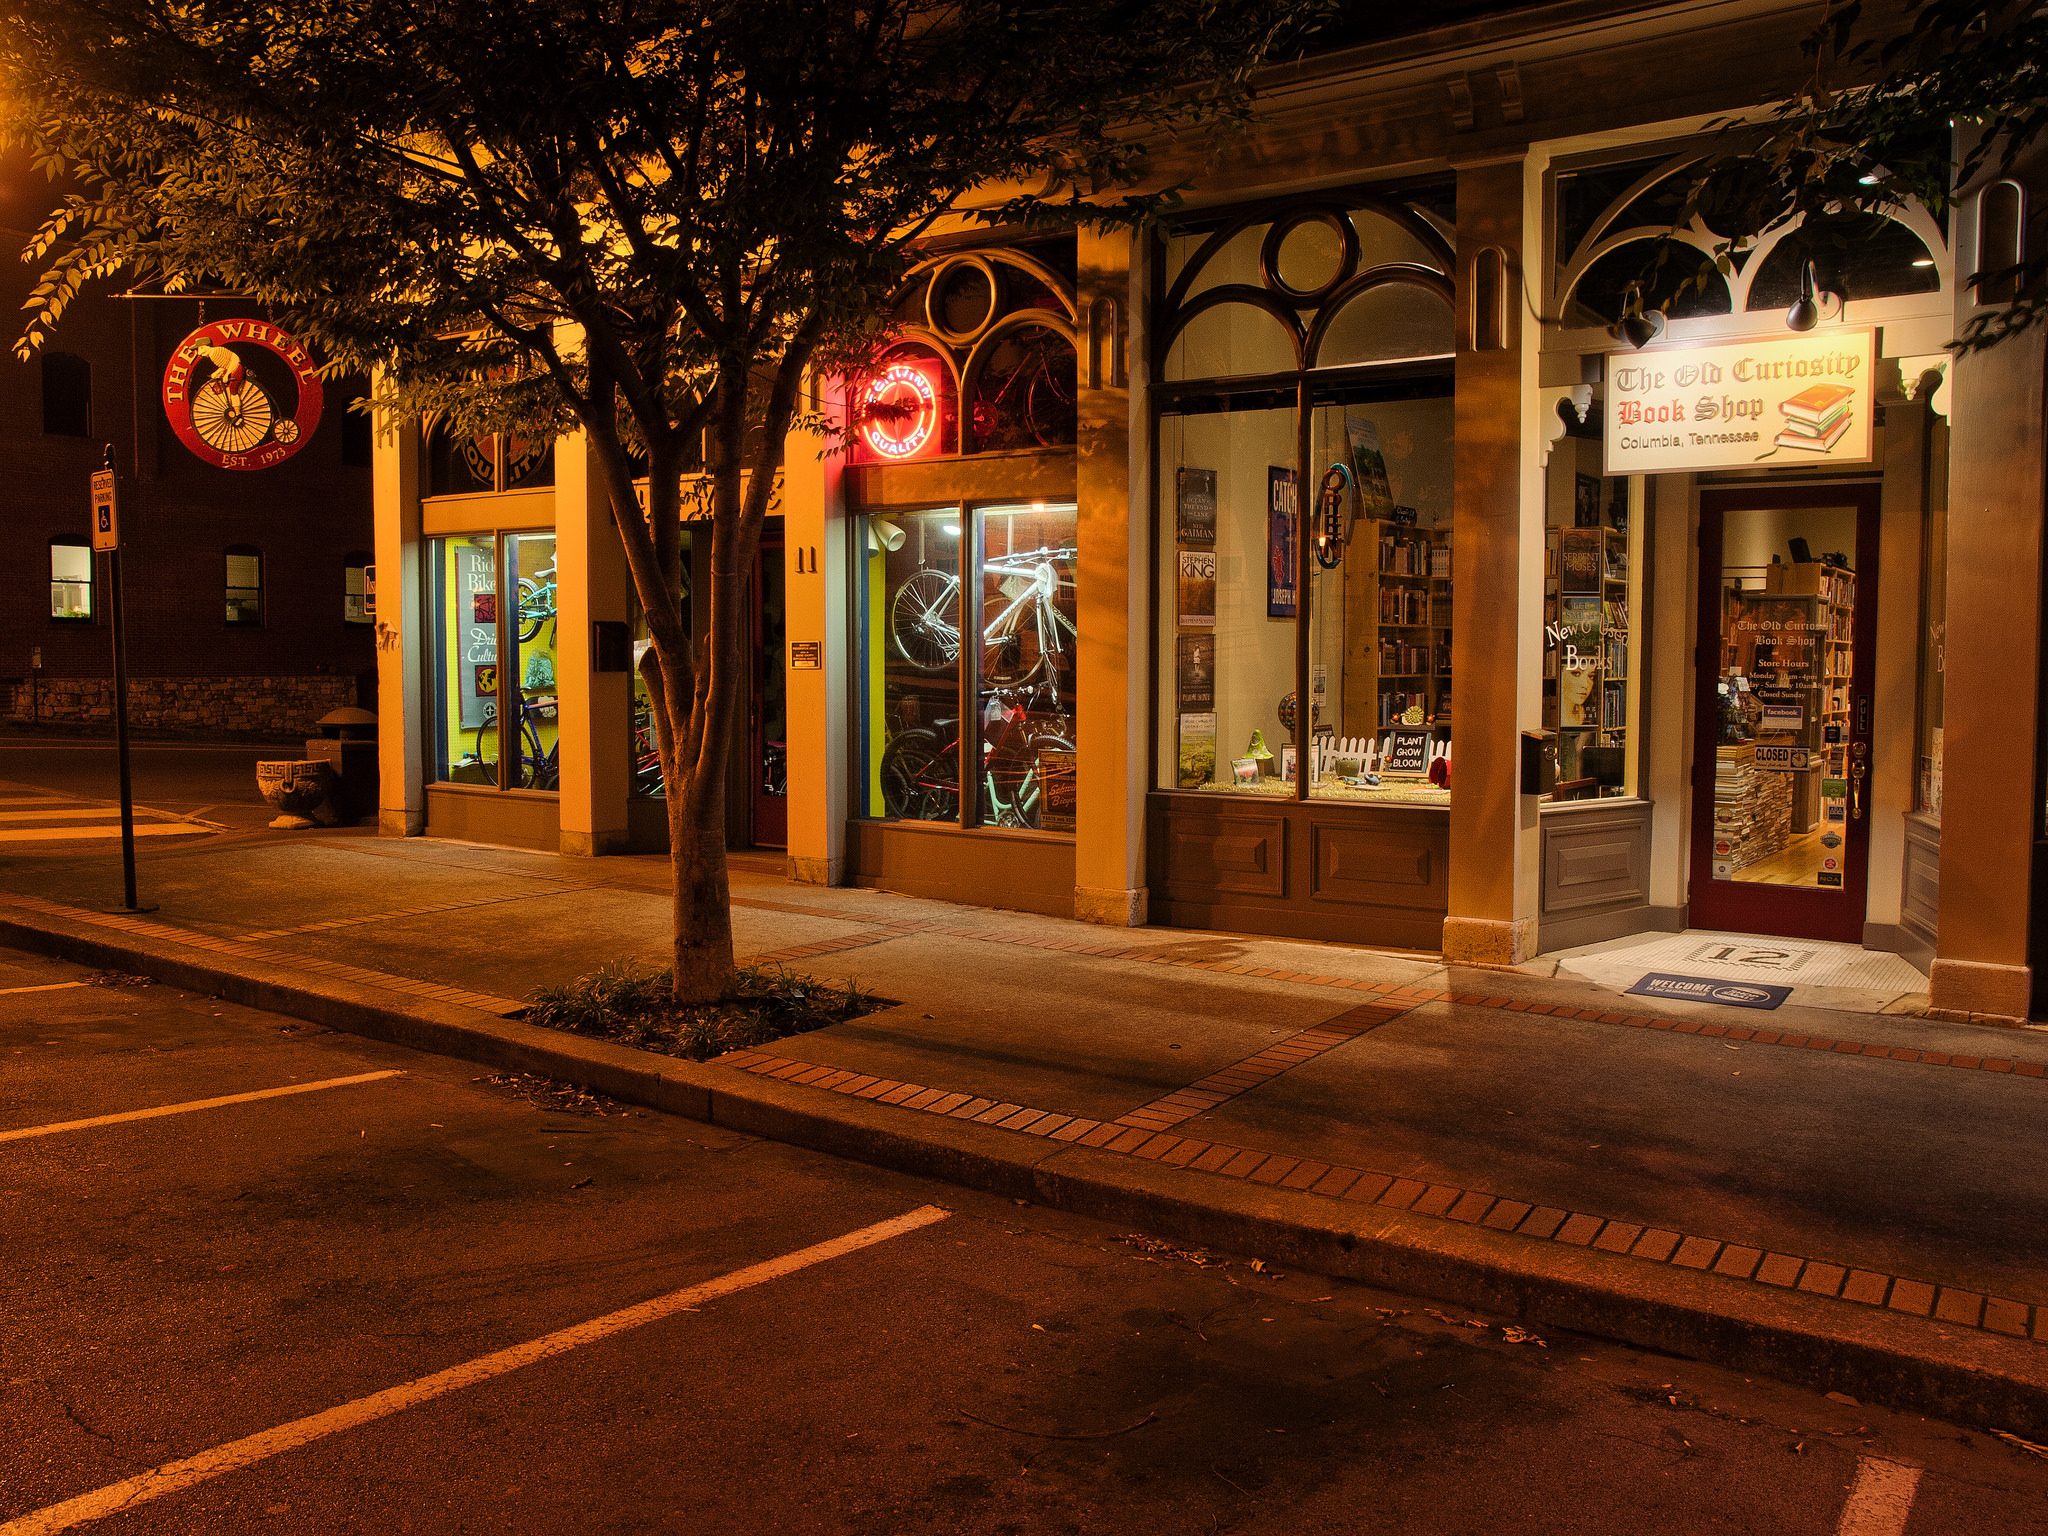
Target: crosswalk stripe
(52, 834)
(60, 812)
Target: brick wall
(252, 706)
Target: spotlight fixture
(1810, 307)
(1637, 326)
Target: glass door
(770, 712)
(1782, 740)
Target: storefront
(1332, 564)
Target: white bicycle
(1027, 640)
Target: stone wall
(243, 706)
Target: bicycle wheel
(1013, 647)
(1011, 776)
(920, 779)
(921, 620)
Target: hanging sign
(106, 517)
(1782, 401)
(899, 412)
(242, 394)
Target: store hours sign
(242, 394)
(1780, 401)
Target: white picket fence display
(1371, 752)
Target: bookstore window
(245, 584)
(70, 579)
(358, 570)
(1349, 294)
(1592, 629)
(1002, 575)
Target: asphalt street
(207, 1277)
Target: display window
(1304, 475)
(929, 702)
(1593, 644)
(476, 464)
(494, 629)
(70, 579)
(1934, 623)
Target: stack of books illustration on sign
(1816, 418)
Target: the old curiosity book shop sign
(1779, 401)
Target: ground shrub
(632, 1005)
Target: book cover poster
(1194, 518)
(1578, 700)
(1579, 560)
(1197, 589)
(1197, 750)
(1194, 671)
(1368, 469)
(1055, 790)
(1281, 525)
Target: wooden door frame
(1787, 911)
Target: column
(1497, 571)
(592, 583)
(1112, 476)
(817, 548)
(395, 497)
(1991, 702)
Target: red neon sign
(899, 412)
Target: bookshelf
(1399, 653)
(1813, 599)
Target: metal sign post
(106, 535)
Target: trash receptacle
(348, 741)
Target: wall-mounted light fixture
(1637, 326)
(1813, 305)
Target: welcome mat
(1706, 989)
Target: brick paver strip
(1436, 1200)
(2002, 1316)
(1866, 1287)
(1579, 1230)
(1779, 1269)
(1696, 1252)
(1402, 1193)
(1617, 1237)
(1505, 1216)
(1655, 1245)
(1822, 1279)
(1912, 1296)
(1954, 1306)
(1542, 1222)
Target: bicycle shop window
(492, 599)
(245, 584)
(70, 579)
(1004, 574)
(1319, 327)
(474, 465)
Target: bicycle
(536, 602)
(920, 768)
(1024, 644)
(539, 767)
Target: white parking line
(51, 834)
(183, 1109)
(1880, 1499)
(60, 812)
(236, 1454)
(48, 986)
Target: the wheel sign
(242, 394)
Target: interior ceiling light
(1637, 326)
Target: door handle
(1856, 791)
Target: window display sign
(1280, 532)
(1781, 401)
(899, 412)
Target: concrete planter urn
(298, 792)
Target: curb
(1900, 1361)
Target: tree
(1872, 129)
(645, 218)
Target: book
(1194, 518)
(1794, 438)
(1197, 751)
(1368, 468)
(1194, 671)
(1198, 589)
(1818, 405)
(1579, 560)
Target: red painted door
(1783, 726)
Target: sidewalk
(1816, 1192)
